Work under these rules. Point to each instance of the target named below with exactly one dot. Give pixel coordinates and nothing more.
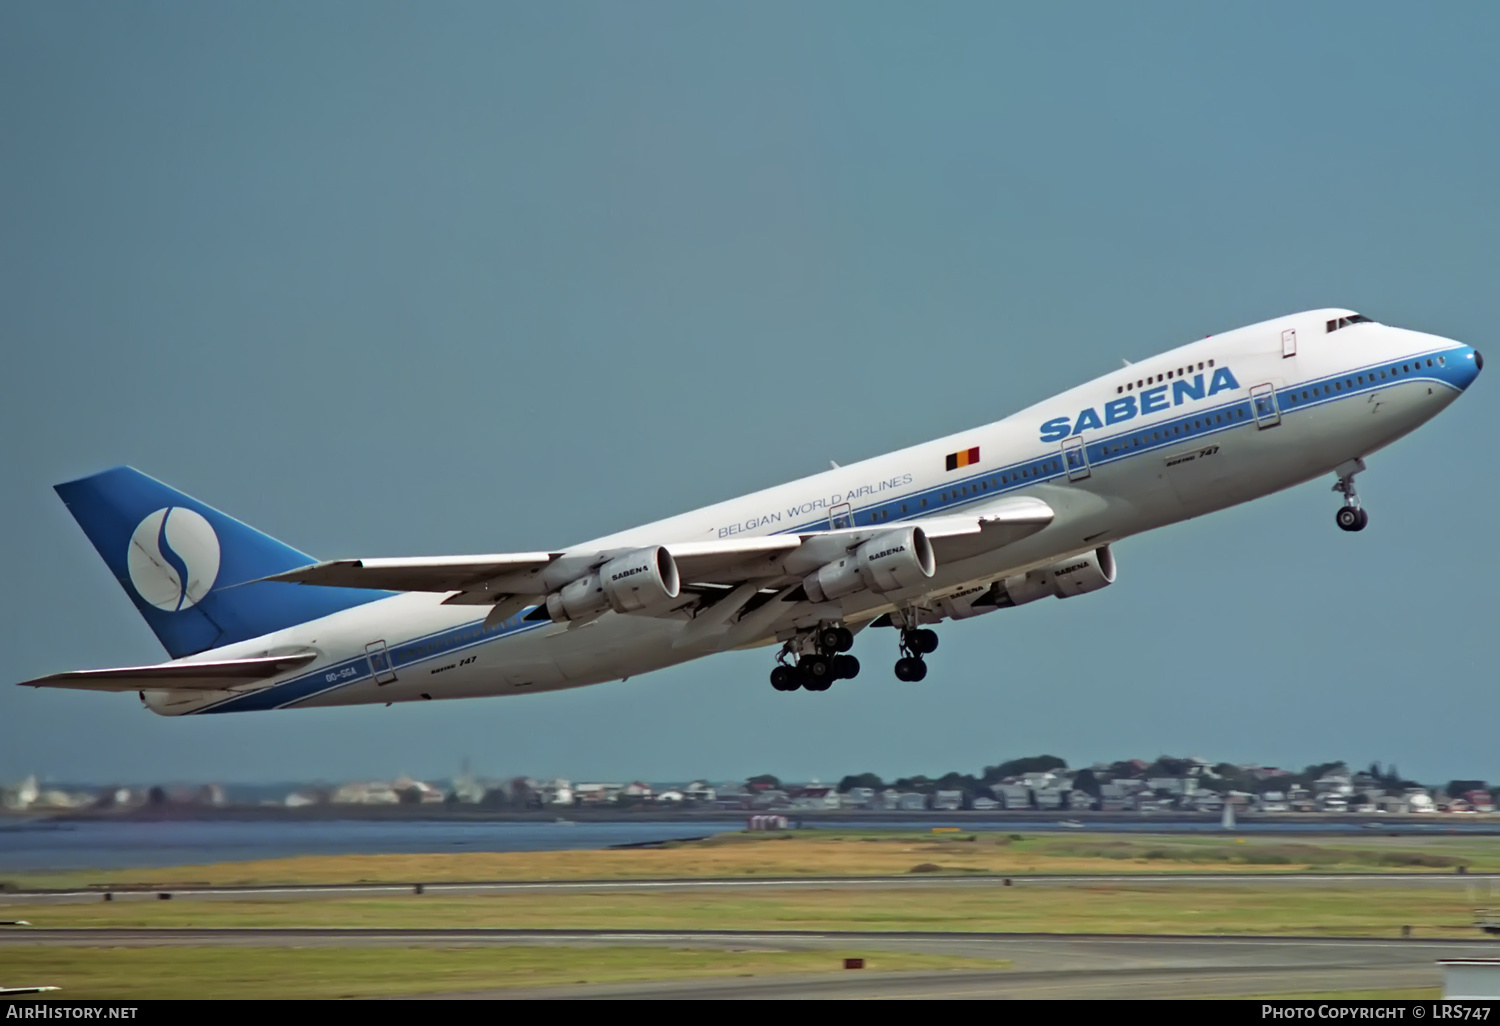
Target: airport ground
(775, 916)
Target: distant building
(948, 801)
(859, 798)
(985, 805)
(1049, 798)
(1013, 796)
(911, 801)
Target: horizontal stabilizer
(208, 675)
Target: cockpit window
(1344, 322)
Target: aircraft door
(1263, 406)
(1075, 459)
(1289, 343)
(840, 516)
(380, 662)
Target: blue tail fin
(186, 566)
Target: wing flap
(205, 675)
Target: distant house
(596, 793)
(816, 798)
(1480, 801)
(1080, 801)
(1013, 796)
(948, 801)
(770, 798)
(637, 790)
(1172, 785)
(911, 801)
(1049, 798)
(1420, 802)
(858, 798)
(1274, 801)
(985, 805)
(698, 791)
(671, 797)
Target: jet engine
(1076, 575)
(625, 584)
(887, 562)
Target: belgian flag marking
(966, 458)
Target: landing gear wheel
(845, 667)
(1352, 518)
(910, 668)
(784, 678)
(1364, 519)
(835, 639)
(924, 641)
(817, 673)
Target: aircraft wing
(207, 675)
(1006, 521)
(510, 582)
(419, 573)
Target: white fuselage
(1232, 418)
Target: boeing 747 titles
(1009, 513)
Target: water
(112, 845)
(124, 844)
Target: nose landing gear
(1352, 517)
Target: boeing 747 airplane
(980, 521)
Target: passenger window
(1210, 363)
(1169, 375)
(1429, 363)
(903, 507)
(924, 503)
(1442, 361)
(1129, 386)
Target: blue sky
(398, 279)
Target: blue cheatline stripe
(1140, 438)
(1048, 466)
(407, 654)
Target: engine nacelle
(888, 562)
(1076, 575)
(625, 584)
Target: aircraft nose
(1469, 366)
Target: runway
(1043, 965)
(314, 891)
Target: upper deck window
(1344, 322)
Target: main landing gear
(1352, 517)
(822, 660)
(915, 643)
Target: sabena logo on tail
(173, 558)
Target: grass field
(142, 973)
(1331, 910)
(842, 853)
